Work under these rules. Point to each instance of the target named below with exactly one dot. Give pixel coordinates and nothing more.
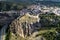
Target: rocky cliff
(25, 25)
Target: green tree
(50, 35)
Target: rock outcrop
(25, 25)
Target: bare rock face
(25, 25)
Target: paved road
(3, 31)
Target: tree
(50, 35)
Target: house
(57, 11)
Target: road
(3, 31)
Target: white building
(57, 11)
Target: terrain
(39, 20)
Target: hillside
(47, 28)
(25, 25)
(30, 20)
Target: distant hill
(45, 2)
(29, 1)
